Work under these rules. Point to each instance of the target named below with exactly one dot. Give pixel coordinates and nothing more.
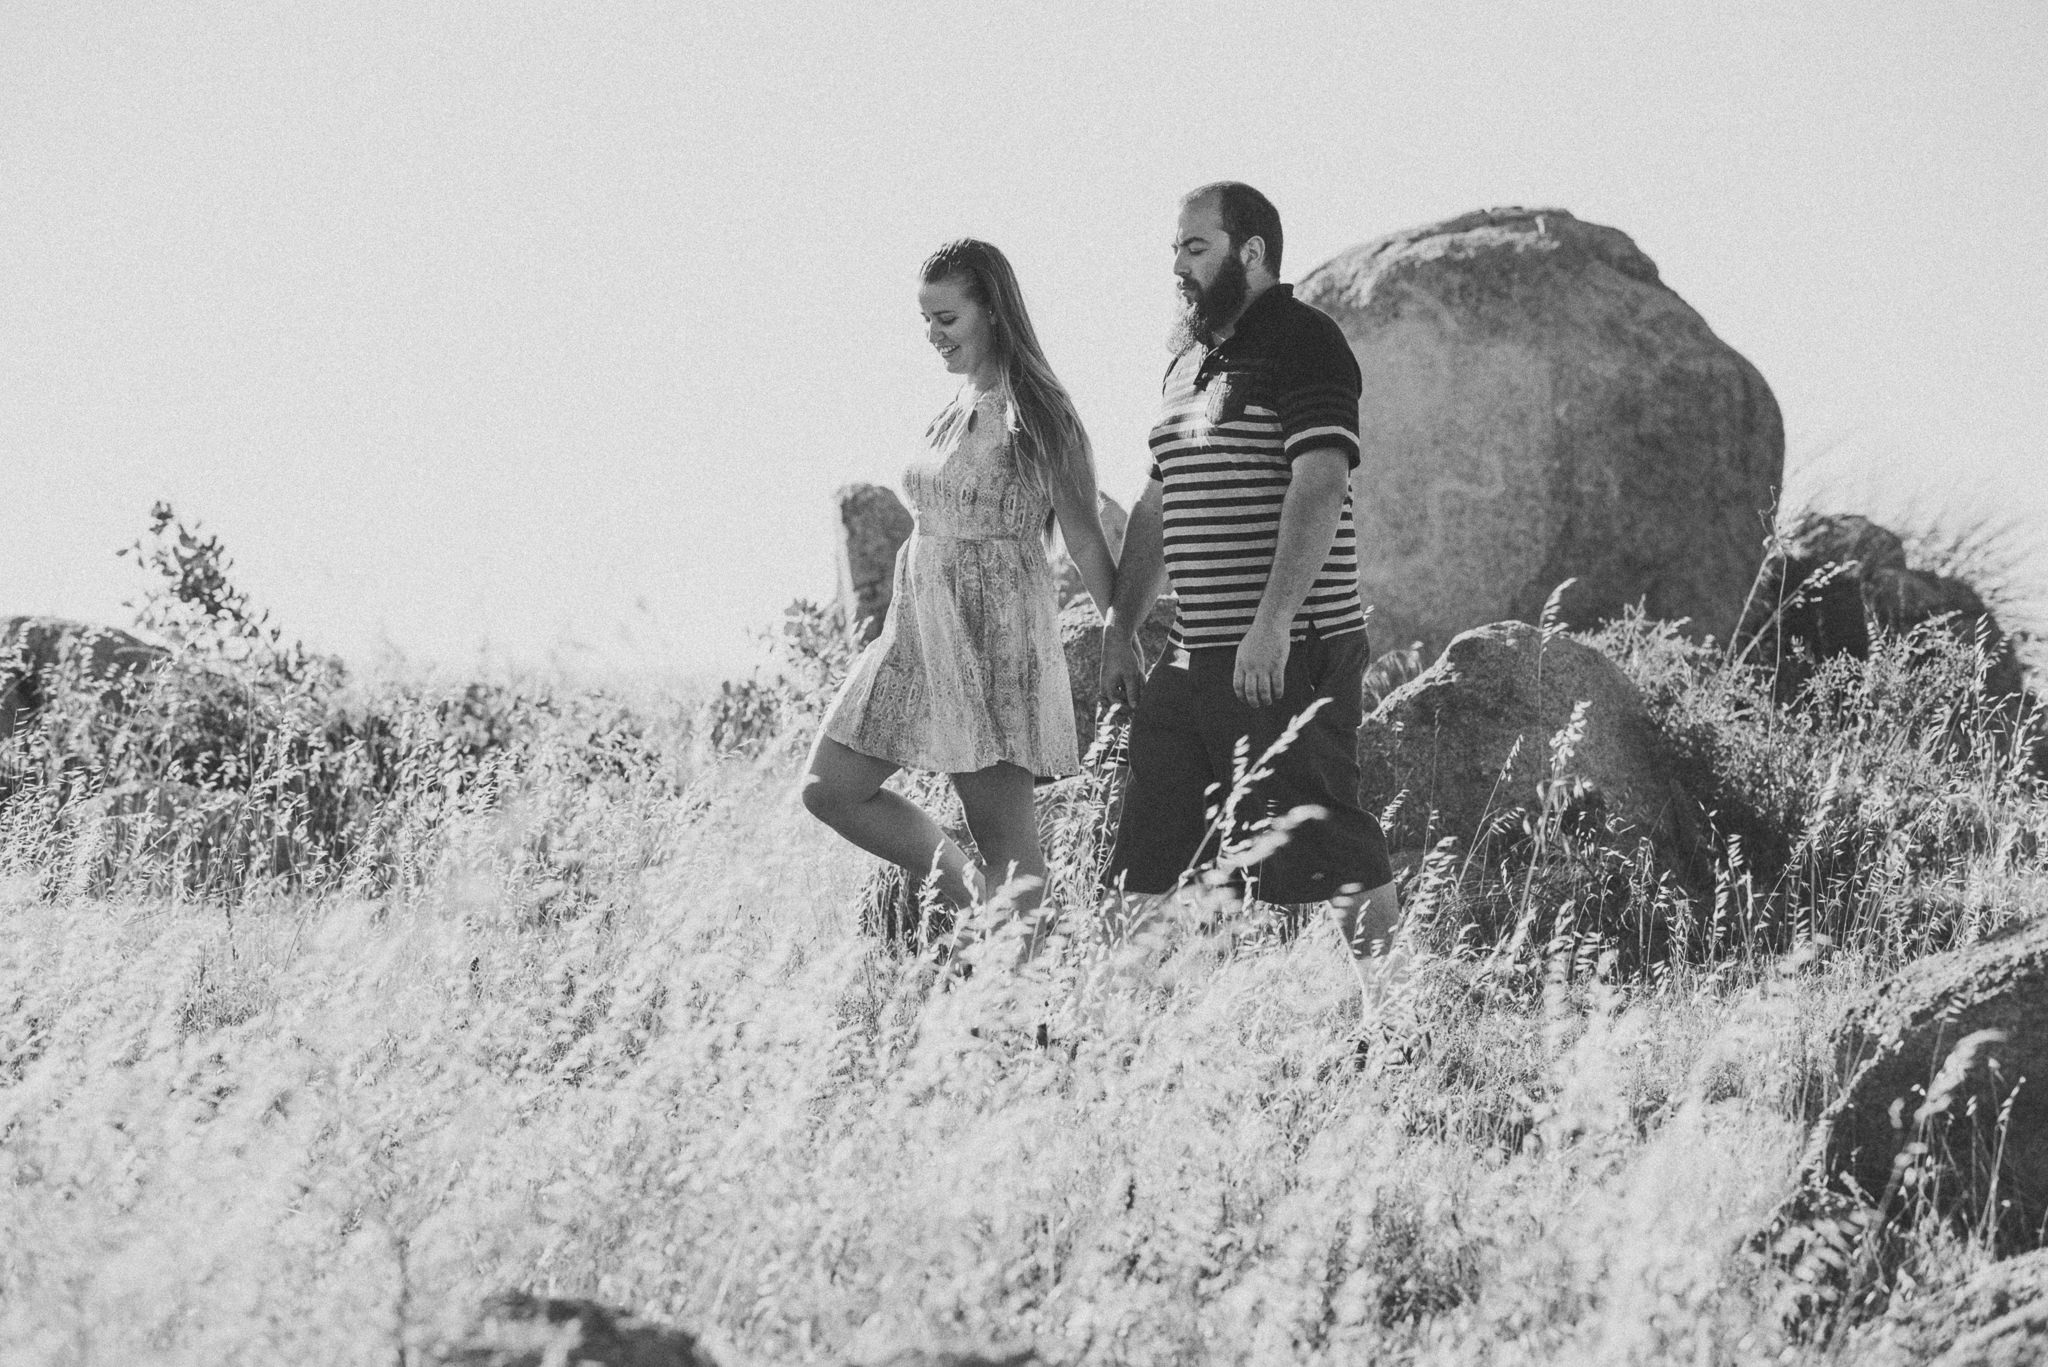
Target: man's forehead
(1200, 218)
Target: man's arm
(1140, 575)
(1308, 525)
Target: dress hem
(924, 763)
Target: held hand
(1123, 673)
(1261, 673)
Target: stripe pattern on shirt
(1224, 463)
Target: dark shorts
(1189, 722)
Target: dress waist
(935, 534)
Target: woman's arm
(1139, 578)
(1074, 502)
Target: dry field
(583, 1007)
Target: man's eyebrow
(1178, 243)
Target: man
(1248, 511)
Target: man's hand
(1261, 674)
(1123, 673)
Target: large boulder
(40, 656)
(1474, 735)
(1833, 578)
(873, 525)
(1947, 1101)
(1081, 638)
(1540, 406)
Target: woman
(967, 677)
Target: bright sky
(547, 330)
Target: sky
(543, 334)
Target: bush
(811, 652)
(247, 761)
(1871, 810)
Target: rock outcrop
(1834, 578)
(41, 655)
(1540, 406)
(1996, 1317)
(1474, 734)
(873, 525)
(515, 1329)
(1947, 1102)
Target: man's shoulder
(1308, 342)
(1303, 324)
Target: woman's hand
(1139, 577)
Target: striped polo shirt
(1232, 419)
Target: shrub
(811, 653)
(246, 760)
(1866, 811)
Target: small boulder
(41, 655)
(515, 1329)
(1947, 1100)
(1081, 638)
(1996, 1317)
(1833, 578)
(873, 525)
(1473, 735)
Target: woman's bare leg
(1004, 822)
(843, 788)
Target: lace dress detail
(968, 669)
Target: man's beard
(1211, 308)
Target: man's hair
(1246, 214)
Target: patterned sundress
(968, 670)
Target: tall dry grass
(579, 1004)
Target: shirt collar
(1263, 307)
(1257, 315)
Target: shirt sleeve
(1319, 388)
(1164, 381)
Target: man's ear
(1249, 256)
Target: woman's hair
(1048, 434)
